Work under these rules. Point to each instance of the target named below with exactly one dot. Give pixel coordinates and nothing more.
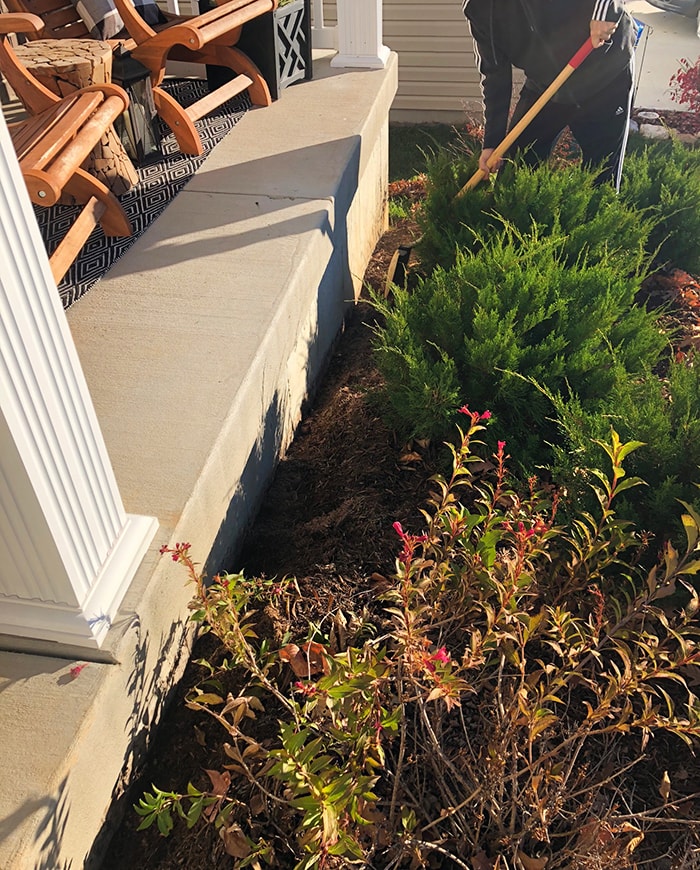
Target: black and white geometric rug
(159, 183)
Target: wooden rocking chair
(53, 143)
(209, 38)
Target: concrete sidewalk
(667, 39)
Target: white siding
(438, 80)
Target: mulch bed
(327, 521)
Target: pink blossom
(441, 656)
(76, 670)
(501, 446)
(398, 528)
(486, 415)
(307, 689)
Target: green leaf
(691, 526)
(165, 823)
(628, 483)
(207, 698)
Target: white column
(68, 550)
(321, 35)
(360, 35)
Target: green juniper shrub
(514, 310)
(500, 715)
(662, 179)
(564, 202)
(664, 414)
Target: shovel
(534, 110)
(400, 259)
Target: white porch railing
(68, 550)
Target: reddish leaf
(220, 782)
(308, 660)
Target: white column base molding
(87, 625)
(360, 42)
(377, 61)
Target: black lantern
(137, 126)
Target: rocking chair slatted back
(209, 38)
(60, 18)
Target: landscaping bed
(329, 521)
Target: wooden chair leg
(239, 62)
(179, 122)
(83, 187)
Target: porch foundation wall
(199, 348)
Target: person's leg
(601, 127)
(539, 136)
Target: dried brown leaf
(235, 842)
(257, 804)
(529, 863)
(481, 861)
(220, 782)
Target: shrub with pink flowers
(497, 715)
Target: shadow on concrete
(53, 811)
(343, 153)
(151, 685)
(28, 666)
(332, 305)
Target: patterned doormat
(159, 183)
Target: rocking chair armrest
(110, 90)
(196, 32)
(20, 22)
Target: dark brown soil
(326, 520)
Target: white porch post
(322, 36)
(360, 35)
(68, 550)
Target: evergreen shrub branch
(527, 299)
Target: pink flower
(76, 670)
(501, 446)
(398, 528)
(486, 415)
(307, 689)
(464, 410)
(441, 656)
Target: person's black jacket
(540, 37)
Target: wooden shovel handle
(534, 109)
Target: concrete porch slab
(199, 347)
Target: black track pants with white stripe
(599, 126)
